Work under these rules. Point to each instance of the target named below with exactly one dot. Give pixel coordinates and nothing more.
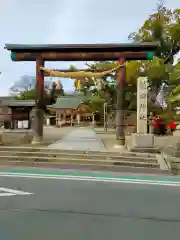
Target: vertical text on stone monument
(142, 105)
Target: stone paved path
(80, 139)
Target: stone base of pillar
(120, 147)
(120, 144)
(142, 143)
(121, 141)
(36, 140)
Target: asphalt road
(70, 209)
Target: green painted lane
(89, 174)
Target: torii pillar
(120, 107)
(38, 120)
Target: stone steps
(125, 161)
(68, 155)
(57, 151)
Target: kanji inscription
(142, 84)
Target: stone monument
(142, 141)
(142, 85)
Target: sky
(65, 22)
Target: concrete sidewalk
(82, 139)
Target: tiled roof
(19, 103)
(66, 103)
(73, 102)
(9, 101)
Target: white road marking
(11, 192)
(92, 179)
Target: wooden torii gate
(81, 52)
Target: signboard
(142, 91)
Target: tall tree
(26, 84)
(56, 91)
(25, 89)
(162, 26)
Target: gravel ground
(51, 134)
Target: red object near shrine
(172, 125)
(155, 123)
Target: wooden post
(120, 108)
(39, 108)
